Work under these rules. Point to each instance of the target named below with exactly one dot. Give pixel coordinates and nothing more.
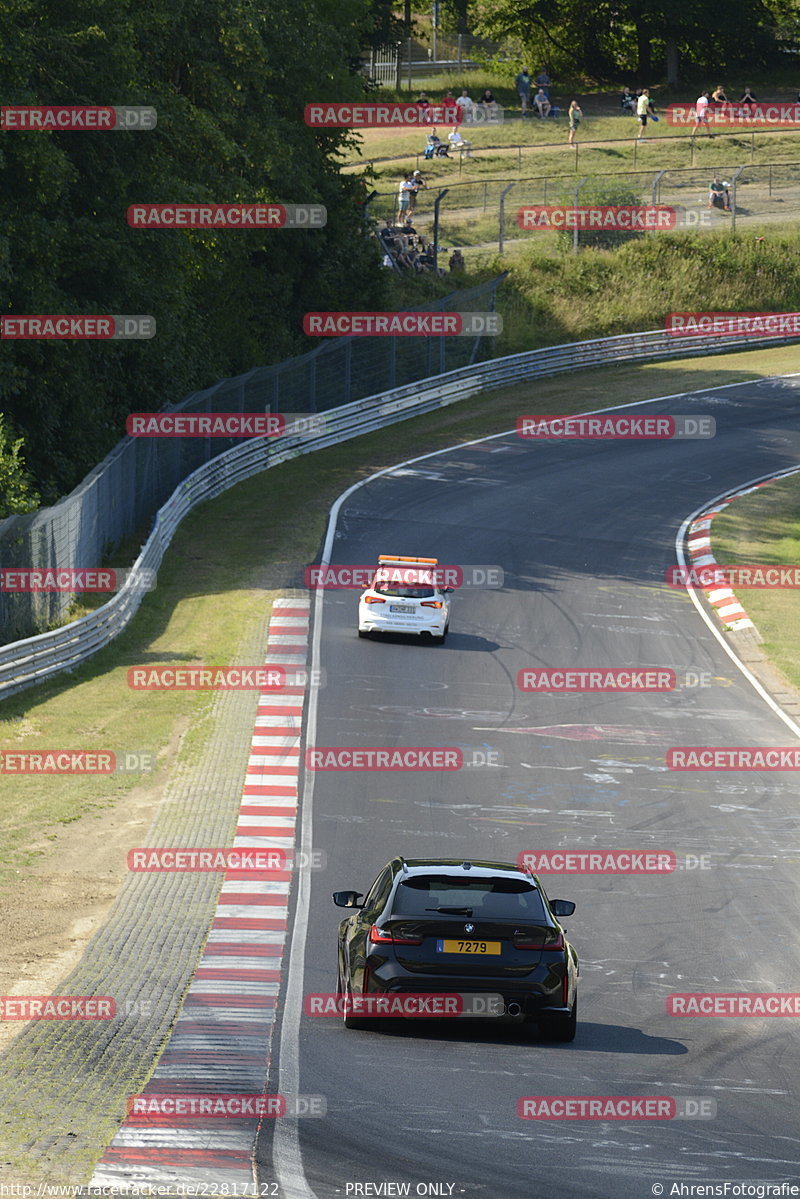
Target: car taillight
(557, 944)
(431, 604)
(382, 936)
(373, 599)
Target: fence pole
(485, 188)
(409, 64)
(503, 195)
(770, 181)
(734, 178)
(398, 64)
(656, 186)
(575, 230)
(752, 146)
(459, 53)
(519, 159)
(436, 204)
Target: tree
(16, 487)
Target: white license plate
(402, 609)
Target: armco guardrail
(23, 663)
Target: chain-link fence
(485, 213)
(120, 496)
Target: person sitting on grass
(718, 195)
(543, 105)
(627, 101)
(488, 103)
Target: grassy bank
(765, 527)
(552, 297)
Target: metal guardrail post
(503, 195)
(734, 179)
(436, 204)
(575, 210)
(656, 187)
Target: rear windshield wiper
(452, 911)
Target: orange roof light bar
(394, 559)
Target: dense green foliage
(230, 79)
(611, 39)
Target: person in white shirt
(466, 105)
(457, 141)
(701, 114)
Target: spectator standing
(542, 80)
(575, 117)
(404, 198)
(718, 95)
(466, 105)
(644, 107)
(417, 184)
(423, 101)
(543, 105)
(456, 263)
(701, 114)
(523, 85)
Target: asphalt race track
(584, 532)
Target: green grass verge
(217, 581)
(765, 528)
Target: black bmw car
(460, 927)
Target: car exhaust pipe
(513, 1009)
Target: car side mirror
(347, 899)
(448, 590)
(562, 907)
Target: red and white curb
(729, 610)
(221, 1041)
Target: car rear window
(400, 592)
(485, 897)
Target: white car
(405, 596)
